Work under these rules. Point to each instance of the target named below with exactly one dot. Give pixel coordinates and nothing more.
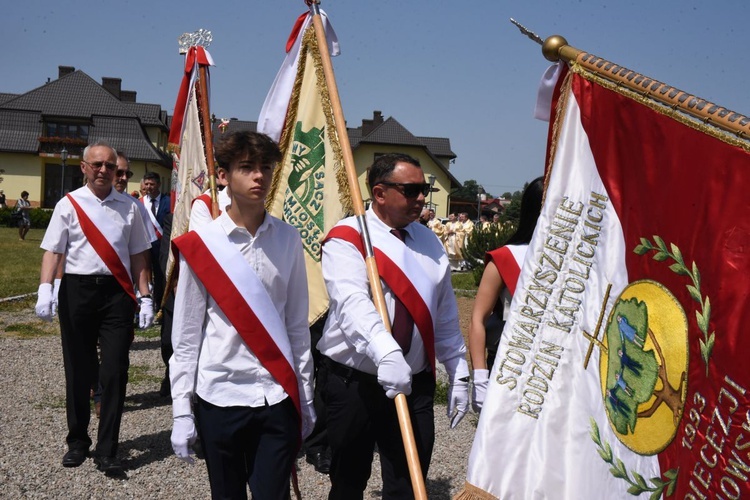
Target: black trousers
(317, 441)
(159, 278)
(95, 309)
(249, 445)
(359, 416)
(166, 332)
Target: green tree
(481, 241)
(468, 191)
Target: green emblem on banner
(303, 204)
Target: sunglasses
(97, 165)
(126, 173)
(410, 190)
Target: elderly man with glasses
(101, 234)
(364, 364)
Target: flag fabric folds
(621, 371)
(189, 170)
(309, 188)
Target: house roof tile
(150, 114)
(4, 96)
(75, 95)
(127, 135)
(20, 130)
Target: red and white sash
(205, 198)
(234, 285)
(403, 274)
(99, 231)
(157, 227)
(508, 260)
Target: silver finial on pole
(527, 32)
(201, 37)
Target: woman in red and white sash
(492, 304)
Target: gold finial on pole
(556, 48)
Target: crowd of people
(240, 366)
(454, 233)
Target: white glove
(183, 437)
(44, 300)
(394, 374)
(308, 419)
(458, 400)
(146, 315)
(55, 293)
(479, 390)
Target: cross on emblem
(594, 339)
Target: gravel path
(32, 432)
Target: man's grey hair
(99, 143)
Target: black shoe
(165, 390)
(321, 461)
(109, 465)
(75, 457)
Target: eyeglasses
(410, 190)
(97, 165)
(126, 173)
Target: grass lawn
(20, 262)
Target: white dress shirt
(65, 236)
(210, 358)
(200, 214)
(147, 226)
(354, 334)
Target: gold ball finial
(551, 47)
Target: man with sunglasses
(364, 364)
(101, 234)
(122, 175)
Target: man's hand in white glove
(44, 301)
(394, 374)
(55, 293)
(479, 390)
(458, 400)
(308, 419)
(146, 315)
(183, 437)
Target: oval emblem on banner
(644, 367)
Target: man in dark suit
(158, 205)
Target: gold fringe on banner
(471, 492)
(733, 138)
(562, 105)
(309, 44)
(700, 114)
(338, 159)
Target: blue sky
(447, 69)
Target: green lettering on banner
(303, 207)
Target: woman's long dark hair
(531, 206)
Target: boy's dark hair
(384, 165)
(259, 147)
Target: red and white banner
(621, 370)
(189, 169)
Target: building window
(66, 130)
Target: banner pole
(407, 432)
(208, 137)
(556, 48)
